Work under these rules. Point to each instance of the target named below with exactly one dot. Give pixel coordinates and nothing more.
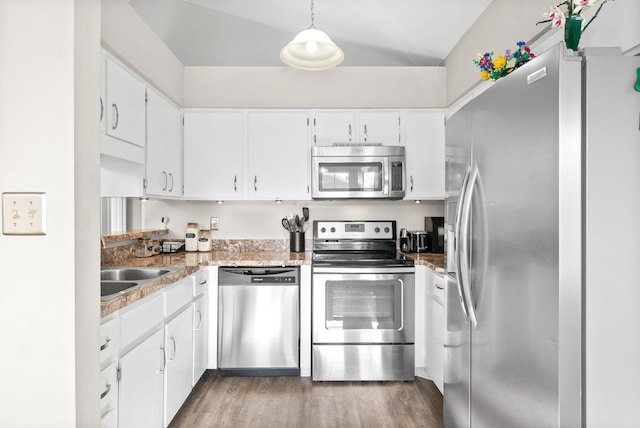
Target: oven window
(364, 305)
(350, 177)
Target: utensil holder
(296, 242)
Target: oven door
(350, 177)
(363, 305)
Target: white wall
(261, 220)
(505, 22)
(49, 309)
(286, 87)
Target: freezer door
(515, 247)
(457, 333)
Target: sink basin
(109, 289)
(117, 280)
(131, 274)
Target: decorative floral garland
(504, 64)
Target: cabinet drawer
(438, 289)
(178, 295)
(109, 338)
(201, 281)
(108, 389)
(140, 318)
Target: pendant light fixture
(312, 49)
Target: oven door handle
(364, 270)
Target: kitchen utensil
(297, 220)
(292, 222)
(285, 224)
(305, 214)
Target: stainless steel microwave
(353, 171)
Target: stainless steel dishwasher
(259, 321)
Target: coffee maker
(434, 226)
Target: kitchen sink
(117, 280)
(132, 274)
(109, 289)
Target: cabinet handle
(411, 182)
(235, 183)
(171, 176)
(115, 112)
(164, 359)
(106, 391)
(106, 344)
(365, 132)
(255, 183)
(203, 282)
(173, 340)
(199, 320)
(101, 109)
(440, 287)
(349, 132)
(166, 180)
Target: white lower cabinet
(152, 353)
(430, 325)
(200, 337)
(109, 396)
(179, 372)
(435, 329)
(141, 380)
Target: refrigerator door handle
(457, 252)
(465, 271)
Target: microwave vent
(356, 144)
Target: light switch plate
(24, 213)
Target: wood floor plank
(291, 401)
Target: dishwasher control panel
(274, 280)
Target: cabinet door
(424, 142)
(279, 155)
(214, 154)
(435, 337)
(125, 105)
(379, 127)
(164, 147)
(200, 336)
(179, 373)
(334, 126)
(141, 371)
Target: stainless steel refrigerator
(543, 247)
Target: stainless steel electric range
(363, 303)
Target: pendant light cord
(312, 15)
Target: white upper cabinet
(214, 154)
(423, 138)
(164, 147)
(278, 154)
(356, 127)
(379, 127)
(125, 104)
(334, 126)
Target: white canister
(191, 237)
(204, 241)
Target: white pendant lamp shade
(312, 49)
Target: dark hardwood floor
(298, 402)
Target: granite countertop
(187, 263)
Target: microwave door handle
(456, 244)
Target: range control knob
(377, 229)
(333, 229)
(323, 229)
(386, 230)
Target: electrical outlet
(24, 213)
(214, 223)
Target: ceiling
(252, 32)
